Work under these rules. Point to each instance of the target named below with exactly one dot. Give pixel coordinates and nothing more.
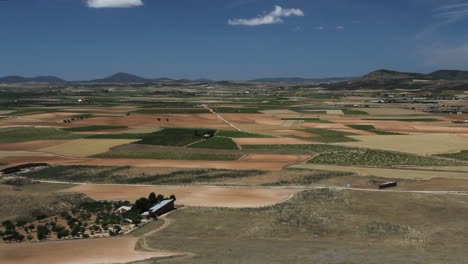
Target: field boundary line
(221, 118)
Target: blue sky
(230, 39)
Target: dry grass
(86, 147)
(324, 227)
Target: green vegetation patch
(174, 136)
(353, 112)
(238, 110)
(329, 136)
(378, 158)
(164, 156)
(172, 111)
(239, 134)
(317, 148)
(216, 143)
(462, 155)
(14, 135)
(26, 111)
(371, 128)
(124, 175)
(92, 128)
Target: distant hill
(122, 77)
(299, 79)
(449, 75)
(389, 80)
(41, 79)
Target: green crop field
(239, 134)
(371, 128)
(238, 110)
(329, 136)
(172, 111)
(172, 137)
(317, 148)
(26, 111)
(462, 155)
(13, 135)
(353, 112)
(92, 128)
(164, 156)
(216, 143)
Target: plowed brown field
(192, 196)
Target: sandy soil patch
(191, 196)
(412, 174)
(108, 250)
(191, 164)
(269, 121)
(425, 144)
(334, 112)
(278, 158)
(292, 123)
(86, 147)
(324, 126)
(270, 141)
(298, 133)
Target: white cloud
(274, 17)
(340, 27)
(320, 28)
(113, 3)
(454, 57)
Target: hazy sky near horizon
(230, 39)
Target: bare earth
(192, 196)
(108, 250)
(424, 144)
(31, 145)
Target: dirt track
(107, 250)
(278, 158)
(192, 196)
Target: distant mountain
(299, 79)
(39, 79)
(122, 77)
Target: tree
(152, 198)
(172, 197)
(160, 197)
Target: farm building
(123, 209)
(161, 208)
(374, 185)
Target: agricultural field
(254, 166)
(85, 147)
